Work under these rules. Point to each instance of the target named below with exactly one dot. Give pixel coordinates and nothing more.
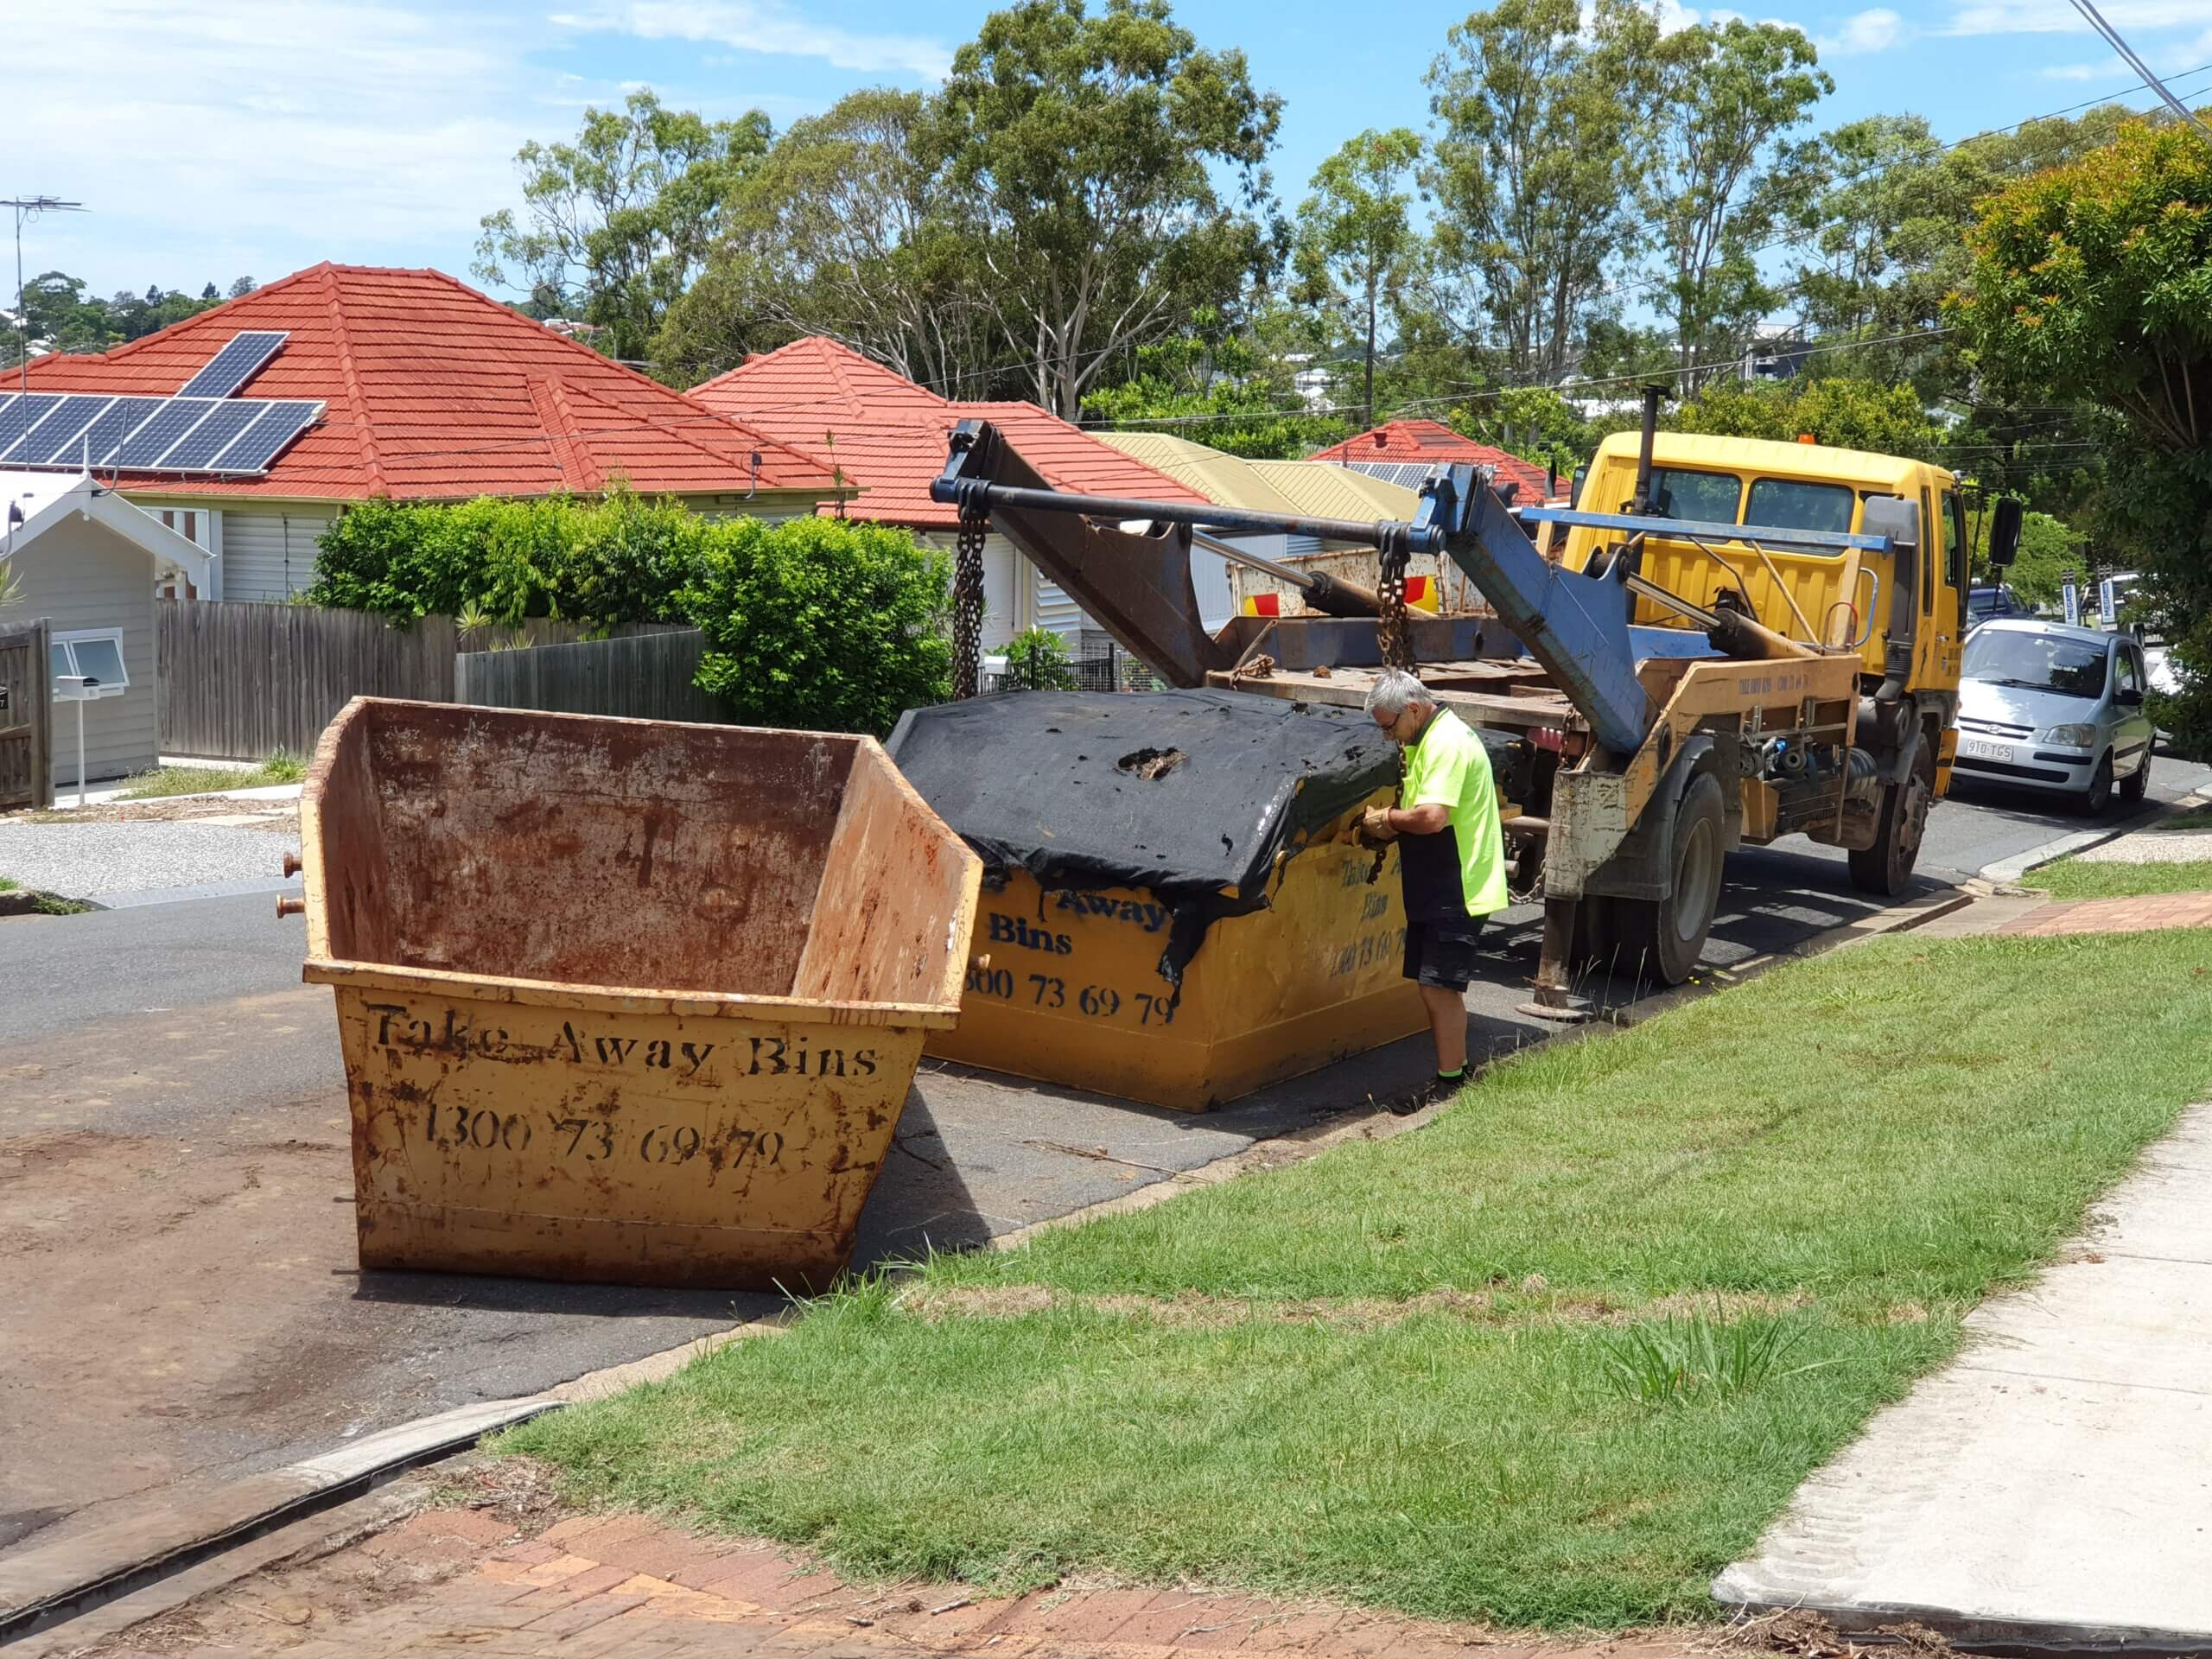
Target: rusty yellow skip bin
(1071, 991)
(623, 1001)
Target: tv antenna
(30, 207)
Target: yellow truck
(1722, 641)
(1906, 626)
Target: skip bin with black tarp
(623, 1000)
(1173, 909)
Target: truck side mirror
(2005, 532)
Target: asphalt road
(175, 1185)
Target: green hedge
(818, 623)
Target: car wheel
(2139, 781)
(1886, 866)
(2098, 795)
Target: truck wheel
(1661, 938)
(1886, 866)
(1596, 934)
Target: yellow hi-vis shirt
(1460, 870)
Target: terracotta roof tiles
(1433, 441)
(888, 435)
(434, 390)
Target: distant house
(398, 384)
(1403, 452)
(888, 435)
(88, 562)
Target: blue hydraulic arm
(1577, 625)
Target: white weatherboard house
(88, 562)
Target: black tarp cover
(1054, 783)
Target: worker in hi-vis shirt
(1451, 859)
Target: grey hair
(1394, 690)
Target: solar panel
(146, 446)
(235, 365)
(53, 437)
(26, 411)
(110, 428)
(198, 449)
(267, 438)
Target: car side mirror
(2130, 698)
(2005, 532)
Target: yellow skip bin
(1172, 911)
(623, 1001)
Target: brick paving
(464, 1582)
(2135, 915)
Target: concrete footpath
(2052, 1487)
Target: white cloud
(1876, 30)
(2189, 55)
(228, 134)
(2084, 72)
(2059, 17)
(762, 26)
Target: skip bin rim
(322, 968)
(553, 993)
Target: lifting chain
(1391, 633)
(968, 610)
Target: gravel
(2153, 847)
(108, 861)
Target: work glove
(1374, 829)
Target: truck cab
(1830, 599)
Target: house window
(95, 654)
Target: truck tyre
(1661, 938)
(1886, 866)
(1595, 934)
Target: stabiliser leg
(1553, 1000)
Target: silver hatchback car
(2044, 706)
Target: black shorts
(1442, 953)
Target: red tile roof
(436, 391)
(1417, 441)
(887, 435)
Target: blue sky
(215, 138)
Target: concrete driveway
(176, 1193)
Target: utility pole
(30, 207)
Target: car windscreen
(2036, 662)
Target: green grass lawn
(2072, 879)
(279, 768)
(1553, 1360)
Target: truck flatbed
(1517, 695)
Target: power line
(2113, 39)
(1642, 377)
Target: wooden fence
(645, 677)
(26, 717)
(240, 681)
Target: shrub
(597, 562)
(1037, 660)
(821, 623)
